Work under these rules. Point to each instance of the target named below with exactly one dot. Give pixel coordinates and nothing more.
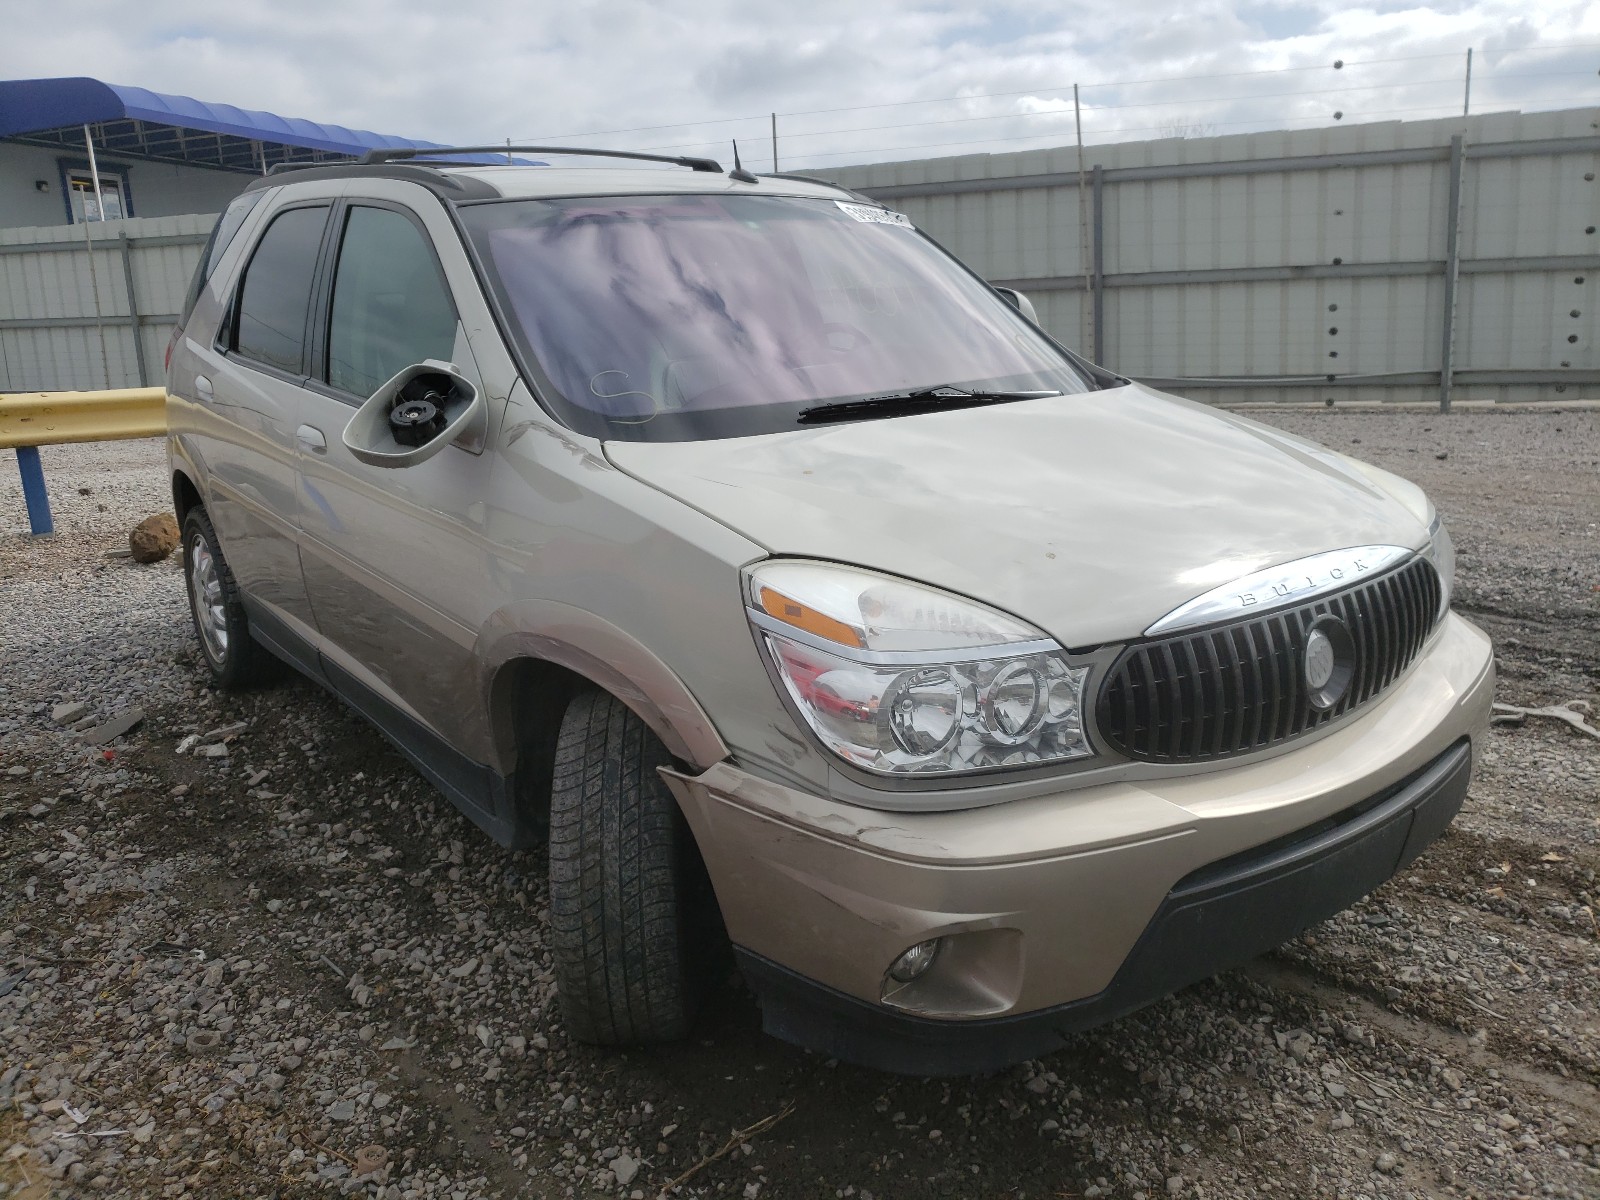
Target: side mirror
(1019, 302)
(415, 415)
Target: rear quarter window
(222, 235)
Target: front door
(394, 557)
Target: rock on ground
(154, 538)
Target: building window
(77, 182)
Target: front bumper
(1066, 910)
(1217, 917)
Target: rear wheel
(234, 658)
(626, 885)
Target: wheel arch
(589, 647)
(534, 656)
(185, 495)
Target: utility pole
(1466, 99)
(1084, 333)
(774, 143)
(94, 276)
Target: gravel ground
(271, 961)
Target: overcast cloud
(486, 70)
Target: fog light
(915, 961)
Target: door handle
(312, 439)
(202, 387)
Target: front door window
(391, 307)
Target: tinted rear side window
(275, 295)
(391, 306)
(222, 234)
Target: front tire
(623, 881)
(236, 661)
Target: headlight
(1441, 552)
(905, 680)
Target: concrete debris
(203, 1042)
(625, 1168)
(68, 712)
(1572, 712)
(110, 731)
(370, 1159)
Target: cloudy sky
(850, 81)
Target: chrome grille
(1238, 687)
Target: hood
(1090, 516)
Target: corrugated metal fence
(1386, 261)
(72, 318)
(1396, 261)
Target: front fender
(610, 658)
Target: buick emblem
(1328, 663)
(1319, 660)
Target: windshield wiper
(902, 403)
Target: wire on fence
(1343, 104)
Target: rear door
(248, 387)
(396, 560)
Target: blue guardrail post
(38, 500)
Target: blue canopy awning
(146, 124)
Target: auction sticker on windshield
(874, 216)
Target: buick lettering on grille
(1273, 587)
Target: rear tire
(236, 661)
(624, 881)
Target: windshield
(662, 318)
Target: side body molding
(590, 646)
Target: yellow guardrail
(49, 418)
(29, 420)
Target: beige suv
(804, 594)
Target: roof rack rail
(408, 153)
(821, 182)
(441, 183)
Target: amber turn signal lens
(791, 612)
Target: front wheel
(235, 660)
(625, 881)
